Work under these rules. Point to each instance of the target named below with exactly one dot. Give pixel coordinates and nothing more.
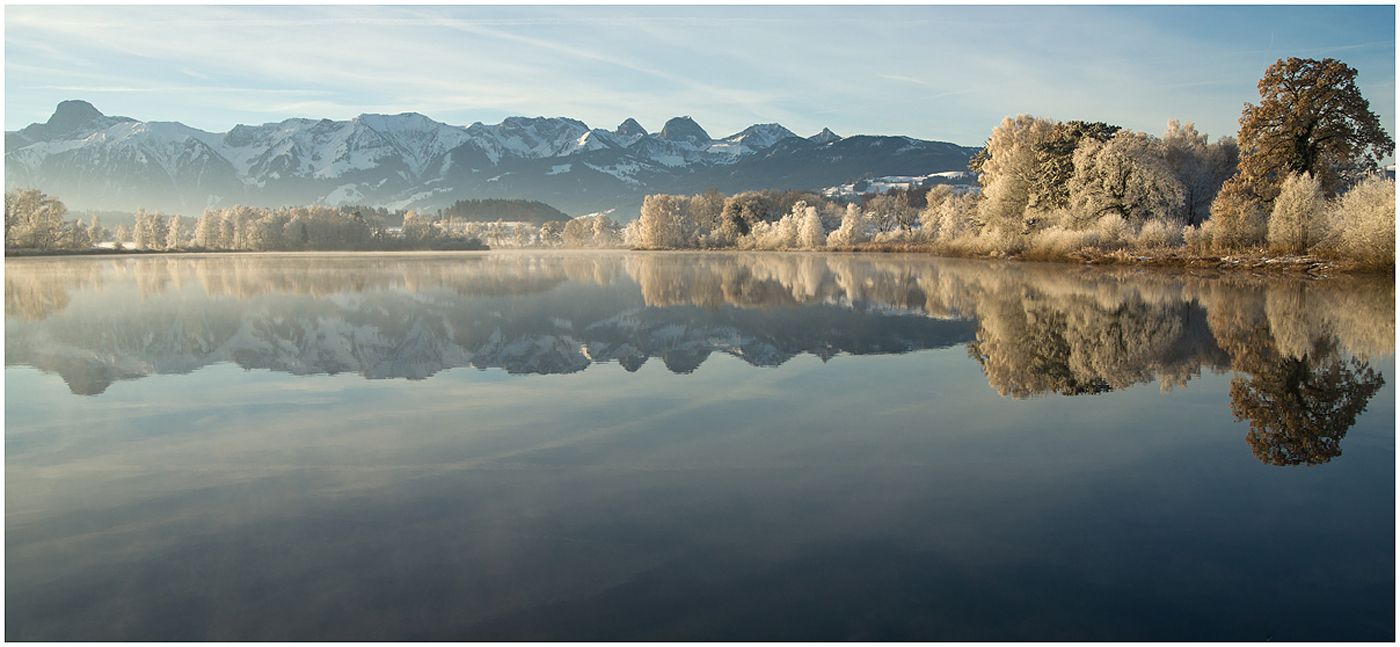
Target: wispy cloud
(916, 70)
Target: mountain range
(408, 161)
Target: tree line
(34, 220)
(729, 216)
(1302, 177)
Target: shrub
(1295, 224)
(1058, 241)
(1199, 239)
(1112, 229)
(1158, 233)
(1239, 220)
(1362, 223)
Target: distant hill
(493, 209)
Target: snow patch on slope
(885, 184)
(344, 194)
(622, 172)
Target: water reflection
(410, 317)
(1299, 407)
(735, 476)
(1298, 348)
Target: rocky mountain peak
(70, 118)
(630, 128)
(824, 137)
(681, 129)
(759, 136)
(72, 115)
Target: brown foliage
(1299, 408)
(1311, 119)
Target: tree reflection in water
(1299, 408)
(1296, 384)
(1298, 347)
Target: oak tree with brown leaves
(1311, 119)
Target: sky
(940, 72)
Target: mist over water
(691, 446)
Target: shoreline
(1252, 261)
(1255, 261)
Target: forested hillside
(493, 209)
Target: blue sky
(946, 73)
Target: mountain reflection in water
(1298, 348)
(790, 447)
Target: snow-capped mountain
(93, 161)
(405, 145)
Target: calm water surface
(585, 446)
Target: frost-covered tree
(606, 234)
(175, 236)
(1296, 223)
(810, 233)
(268, 232)
(950, 215)
(708, 210)
(1200, 165)
(228, 232)
(578, 232)
(666, 222)
(1128, 176)
(75, 235)
(151, 230)
(892, 211)
(1361, 223)
(418, 228)
(632, 234)
(1054, 161)
(121, 237)
(141, 230)
(244, 220)
(1236, 220)
(852, 231)
(1007, 166)
(526, 234)
(33, 219)
(772, 235)
(552, 234)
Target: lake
(693, 446)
